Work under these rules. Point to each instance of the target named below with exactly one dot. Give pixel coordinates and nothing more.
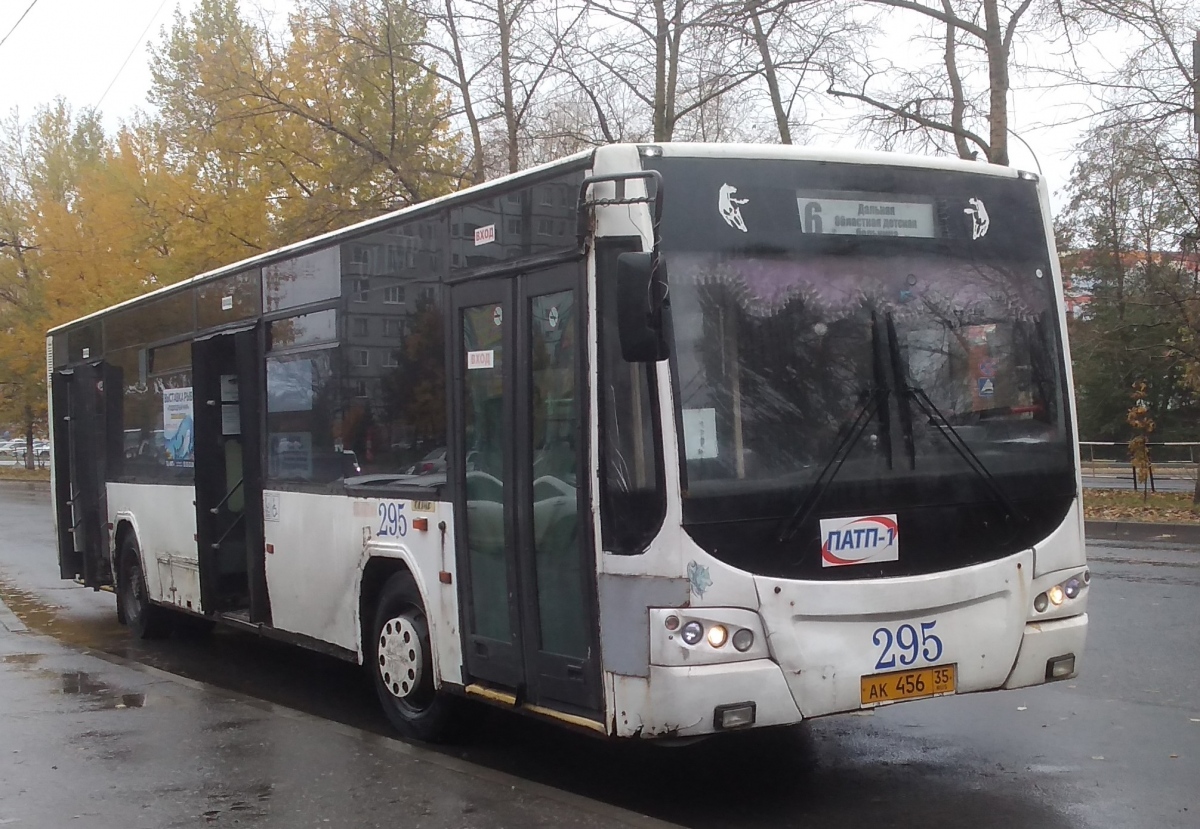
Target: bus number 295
(906, 644)
(392, 521)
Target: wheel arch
(378, 567)
(126, 525)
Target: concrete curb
(9, 620)
(1142, 531)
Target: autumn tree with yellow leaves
(260, 138)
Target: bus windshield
(776, 359)
(880, 356)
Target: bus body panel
(828, 635)
(328, 540)
(1043, 641)
(681, 701)
(163, 519)
(1064, 547)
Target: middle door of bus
(525, 550)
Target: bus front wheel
(145, 619)
(401, 661)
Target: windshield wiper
(874, 402)
(900, 379)
(905, 392)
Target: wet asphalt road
(1118, 747)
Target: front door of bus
(527, 572)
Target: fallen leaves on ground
(1158, 508)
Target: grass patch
(20, 473)
(1127, 505)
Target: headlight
(1072, 588)
(1056, 595)
(717, 636)
(692, 633)
(1041, 603)
(743, 640)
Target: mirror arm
(586, 205)
(585, 211)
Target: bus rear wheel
(145, 619)
(401, 662)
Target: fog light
(672, 623)
(1041, 603)
(743, 640)
(692, 633)
(1072, 588)
(1056, 595)
(717, 636)
(1087, 576)
(1060, 667)
(738, 715)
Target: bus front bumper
(1050, 651)
(694, 700)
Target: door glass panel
(561, 602)
(483, 405)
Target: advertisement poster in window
(177, 426)
(291, 456)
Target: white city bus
(654, 441)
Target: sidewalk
(99, 742)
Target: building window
(362, 358)
(514, 227)
(393, 328)
(545, 227)
(360, 326)
(389, 359)
(360, 388)
(548, 195)
(361, 288)
(393, 295)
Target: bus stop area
(98, 741)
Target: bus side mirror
(640, 295)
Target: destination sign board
(847, 215)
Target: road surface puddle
(83, 683)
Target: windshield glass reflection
(775, 361)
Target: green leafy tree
(1119, 233)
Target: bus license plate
(877, 689)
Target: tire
(401, 664)
(146, 620)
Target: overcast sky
(77, 48)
